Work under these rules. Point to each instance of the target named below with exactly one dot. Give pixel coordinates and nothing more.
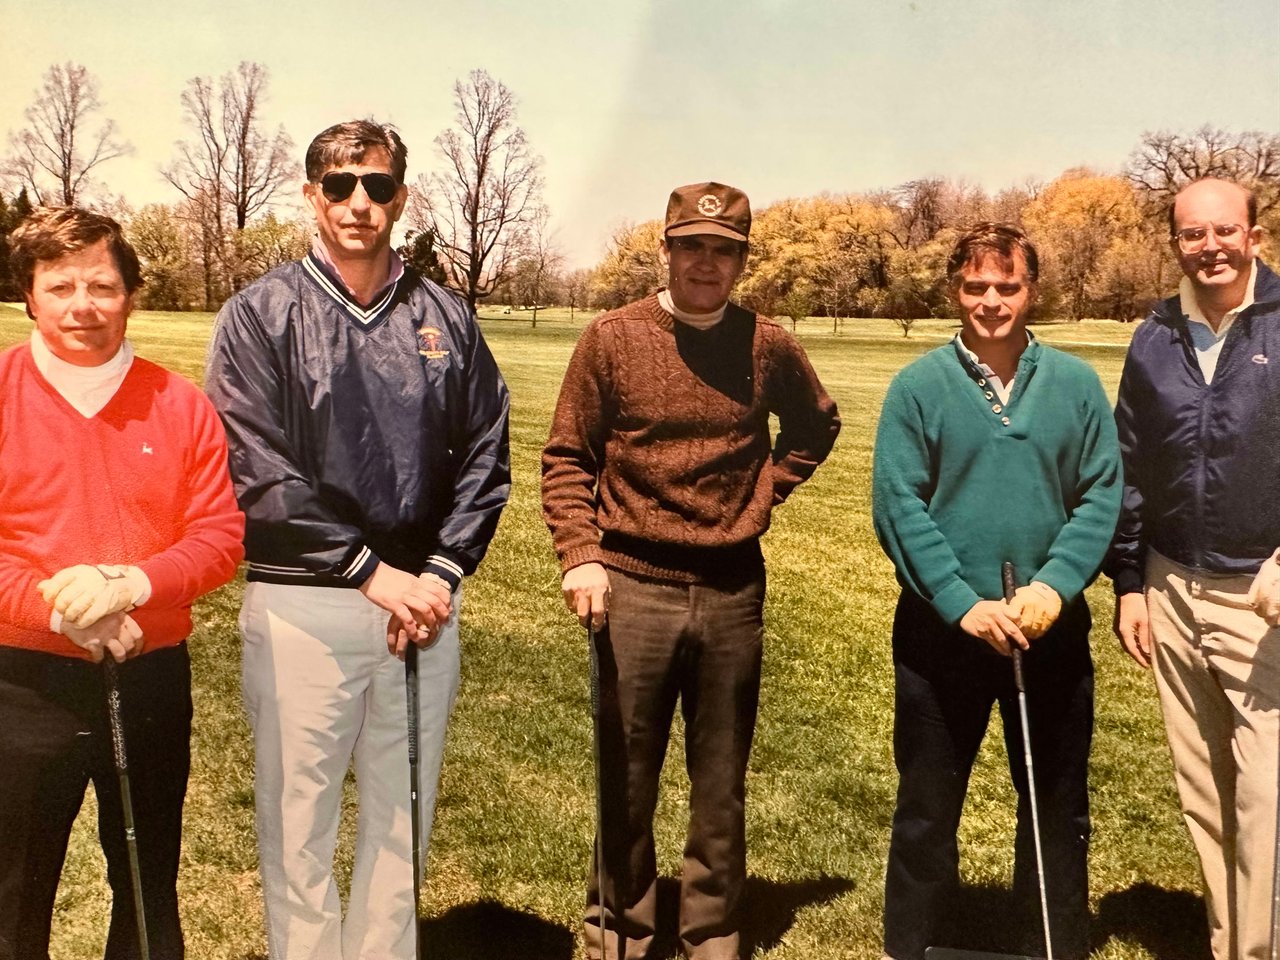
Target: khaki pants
(1217, 667)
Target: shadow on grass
(1171, 924)
(488, 929)
(769, 909)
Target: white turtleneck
(700, 321)
(88, 389)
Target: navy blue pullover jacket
(359, 434)
(1201, 461)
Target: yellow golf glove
(84, 594)
(1036, 607)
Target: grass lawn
(512, 831)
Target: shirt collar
(330, 268)
(1191, 306)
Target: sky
(626, 100)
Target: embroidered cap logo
(710, 205)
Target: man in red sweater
(116, 512)
(657, 483)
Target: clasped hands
(1028, 616)
(93, 603)
(420, 606)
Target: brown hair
(348, 142)
(990, 238)
(51, 233)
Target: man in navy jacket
(1194, 559)
(367, 426)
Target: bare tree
(1164, 163)
(576, 285)
(232, 169)
(540, 263)
(56, 147)
(481, 207)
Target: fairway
(509, 854)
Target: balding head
(1219, 190)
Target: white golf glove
(83, 594)
(1264, 594)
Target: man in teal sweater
(993, 447)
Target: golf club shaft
(111, 673)
(595, 738)
(1275, 891)
(1009, 579)
(411, 699)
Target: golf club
(111, 673)
(1009, 579)
(1275, 892)
(595, 737)
(411, 698)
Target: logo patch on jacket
(432, 339)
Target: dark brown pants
(700, 643)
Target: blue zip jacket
(1201, 461)
(359, 434)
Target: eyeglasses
(338, 185)
(1193, 239)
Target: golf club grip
(1009, 581)
(411, 696)
(112, 674)
(595, 672)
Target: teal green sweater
(962, 482)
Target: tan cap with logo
(708, 208)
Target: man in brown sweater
(657, 482)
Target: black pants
(945, 684)
(54, 739)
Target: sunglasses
(339, 185)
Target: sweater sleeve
(211, 544)
(574, 454)
(1125, 559)
(248, 388)
(808, 421)
(1078, 550)
(901, 487)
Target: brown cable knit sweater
(659, 458)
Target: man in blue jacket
(367, 425)
(1193, 560)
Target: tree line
(478, 222)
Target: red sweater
(143, 482)
(659, 460)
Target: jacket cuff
(361, 566)
(446, 568)
(1127, 580)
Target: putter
(411, 698)
(111, 672)
(595, 737)
(1008, 579)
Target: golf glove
(1264, 594)
(1036, 607)
(83, 594)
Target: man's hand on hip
(993, 621)
(1130, 626)
(418, 603)
(586, 593)
(1264, 593)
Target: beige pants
(1217, 667)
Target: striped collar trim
(364, 317)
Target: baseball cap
(708, 208)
